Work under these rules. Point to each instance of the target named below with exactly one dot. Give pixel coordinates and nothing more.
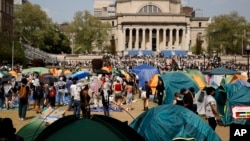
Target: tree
(225, 33)
(89, 30)
(36, 29)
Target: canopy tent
(230, 95)
(168, 122)
(96, 128)
(174, 81)
(144, 72)
(40, 70)
(221, 71)
(80, 74)
(198, 77)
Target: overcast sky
(64, 10)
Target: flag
(174, 65)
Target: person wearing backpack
(39, 94)
(52, 95)
(24, 92)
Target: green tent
(40, 70)
(96, 128)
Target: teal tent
(170, 122)
(96, 128)
(174, 81)
(229, 96)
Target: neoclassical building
(152, 26)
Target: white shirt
(208, 102)
(75, 91)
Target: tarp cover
(229, 95)
(221, 71)
(166, 122)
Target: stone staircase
(35, 53)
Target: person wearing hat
(187, 99)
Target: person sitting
(178, 100)
(7, 131)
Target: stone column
(143, 45)
(130, 39)
(136, 38)
(170, 43)
(182, 39)
(187, 42)
(164, 39)
(124, 39)
(150, 39)
(157, 40)
(177, 39)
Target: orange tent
(238, 76)
(14, 73)
(54, 71)
(153, 82)
(201, 84)
(67, 72)
(106, 69)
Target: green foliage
(36, 29)
(89, 32)
(225, 33)
(6, 53)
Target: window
(199, 24)
(150, 9)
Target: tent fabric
(32, 129)
(229, 95)
(153, 82)
(96, 128)
(221, 71)
(174, 81)
(167, 122)
(144, 72)
(40, 70)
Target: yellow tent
(201, 84)
(14, 73)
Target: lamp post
(248, 51)
(204, 57)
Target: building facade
(6, 18)
(152, 27)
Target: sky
(64, 10)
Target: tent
(153, 82)
(221, 71)
(229, 96)
(96, 128)
(168, 122)
(174, 81)
(40, 70)
(145, 72)
(198, 77)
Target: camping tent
(229, 96)
(96, 128)
(145, 73)
(221, 71)
(174, 81)
(167, 122)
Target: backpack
(118, 87)
(52, 92)
(39, 91)
(23, 92)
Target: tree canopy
(226, 34)
(89, 32)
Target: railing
(34, 53)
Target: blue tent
(145, 73)
(174, 81)
(168, 122)
(231, 95)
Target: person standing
(75, 93)
(148, 92)
(160, 92)
(68, 84)
(187, 99)
(7, 93)
(211, 108)
(85, 98)
(105, 93)
(129, 97)
(52, 95)
(61, 85)
(24, 92)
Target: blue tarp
(230, 95)
(147, 52)
(167, 122)
(170, 53)
(145, 73)
(174, 82)
(133, 52)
